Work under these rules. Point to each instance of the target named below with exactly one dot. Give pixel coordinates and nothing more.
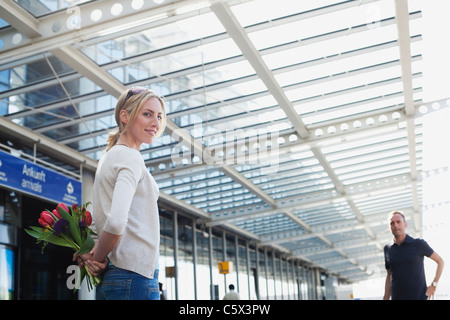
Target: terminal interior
(293, 129)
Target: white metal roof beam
(300, 222)
(19, 18)
(404, 40)
(185, 138)
(328, 169)
(340, 188)
(411, 129)
(238, 177)
(240, 37)
(85, 66)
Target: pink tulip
(56, 213)
(88, 218)
(46, 219)
(62, 206)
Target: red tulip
(46, 219)
(62, 206)
(87, 218)
(56, 213)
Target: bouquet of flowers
(67, 228)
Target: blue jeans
(121, 284)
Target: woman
(125, 203)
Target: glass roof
(40, 8)
(303, 114)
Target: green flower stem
(75, 246)
(92, 280)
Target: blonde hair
(132, 106)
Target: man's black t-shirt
(407, 271)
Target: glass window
(285, 277)
(262, 275)
(293, 292)
(185, 262)
(203, 269)
(271, 277)
(304, 284)
(42, 7)
(153, 39)
(231, 278)
(218, 255)
(166, 251)
(10, 207)
(3, 23)
(7, 273)
(35, 70)
(243, 272)
(254, 293)
(278, 277)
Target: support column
(87, 188)
(175, 251)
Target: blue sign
(34, 179)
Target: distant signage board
(225, 267)
(170, 272)
(31, 178)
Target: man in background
(231, 295)
(405, 278)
